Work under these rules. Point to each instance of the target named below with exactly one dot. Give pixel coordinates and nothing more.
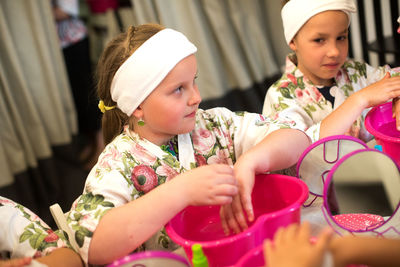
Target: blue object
(378, 147)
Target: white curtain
(36, 105)
(232, 36)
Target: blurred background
(241, 52)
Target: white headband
(296, 13)
(144, 70)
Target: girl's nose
(333, 51)
(195, 97)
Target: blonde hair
(116, 52)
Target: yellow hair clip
(103, 107)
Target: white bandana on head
(296, 13)
(143, 71)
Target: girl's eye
(342, 38)
(318, 40)
(194, 80)
(178, 90)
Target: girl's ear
(292, 45)
(138, 112)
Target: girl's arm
(371, 251)
(278, 150)
(123, 229)
(62, 257)
(341, 119)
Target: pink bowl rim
(250, 254)
(373, 131)
(148, 255)
(330, 177)
(227, 240)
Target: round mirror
(362, 193)
(318, 159)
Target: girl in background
(321, 90)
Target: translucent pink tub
(277, 200)
(380, 123)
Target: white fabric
(296, 13)
(143, 71)
(70, 7)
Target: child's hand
(380, 92)
(292, 247)
(233, 216)
(15, 262)
(209, 185)
(396, 111)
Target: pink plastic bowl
(276, 202)
(380, 123)
(253, 258)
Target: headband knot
(296, 13)
(103, 108)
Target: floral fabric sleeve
(355, 76)
(24, 234)
(246, 129)
(293, 97)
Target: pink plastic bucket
(380, 123)
(253, 258)
(277, 200)
(151, 259)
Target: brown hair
(116, 52)
(283, 2)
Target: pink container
(151, 259)
(253, 258)
(277, 200)
(380, 123)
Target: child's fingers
(224, 220)
(227, 190)
(228, 220)
(278, 236)
(239, 214)
(324, 238)
(304, 231)
(245, 199)
(396, 111)
(267, 249)
(222, 200)
(290, 233)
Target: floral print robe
(130, 166)
(296, 98)
(24, 234)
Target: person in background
(74, 42)
(163, 153)
(294, 246)
(321, 90)
(26, 240)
